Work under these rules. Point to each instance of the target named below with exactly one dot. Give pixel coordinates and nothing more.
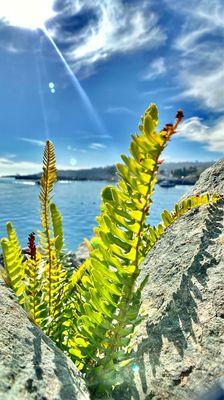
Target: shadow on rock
(176, 322)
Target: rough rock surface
(181, 345)
(31, 366)
(81, 253)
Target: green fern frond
(56, 218)
(53, 273)
(153, 234)
(34, 302)
(106, 304)
(47, 182)
(13, 262)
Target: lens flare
(31, 14)
(76, 84)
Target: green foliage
(38, 279)
(57, 228)
(92, 313)
(106, 302)
(13, 262)
(152, 234)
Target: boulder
(31, 366)
(180, 346)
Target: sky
(81, 73)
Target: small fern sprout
(32, 249)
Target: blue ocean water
(79, 203)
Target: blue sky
(124, 54)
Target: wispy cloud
(206, 86)
(210, 136)
(200, 47)
(35, 142)
(113, 27)
(97, 146)
(157, 90)
(71, 148)
(120, 110)
(156, 68)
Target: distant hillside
(200, 166)
(186, 171)
(92, 174)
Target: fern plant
(39, 279)
(92, 313)
(102, 317)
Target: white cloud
(120, 110)
(9, 167)
(36, 142)
(212, 137)
(208, 86)
(97, 146)
(116, 28)
(200, 47)
(211, 12)
(156, 68)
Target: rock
(180, 345)
(211, 180)
(31, 366)
(82, 253)
(70, 260)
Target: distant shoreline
(178, 173)
(114, 179)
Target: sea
(78, 201)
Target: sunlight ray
(76, 84)
(42, 102)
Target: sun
(30, 14)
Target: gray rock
(70, 261)
(31, 366)
(211, 180)
(82, 253)
(180, 352)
